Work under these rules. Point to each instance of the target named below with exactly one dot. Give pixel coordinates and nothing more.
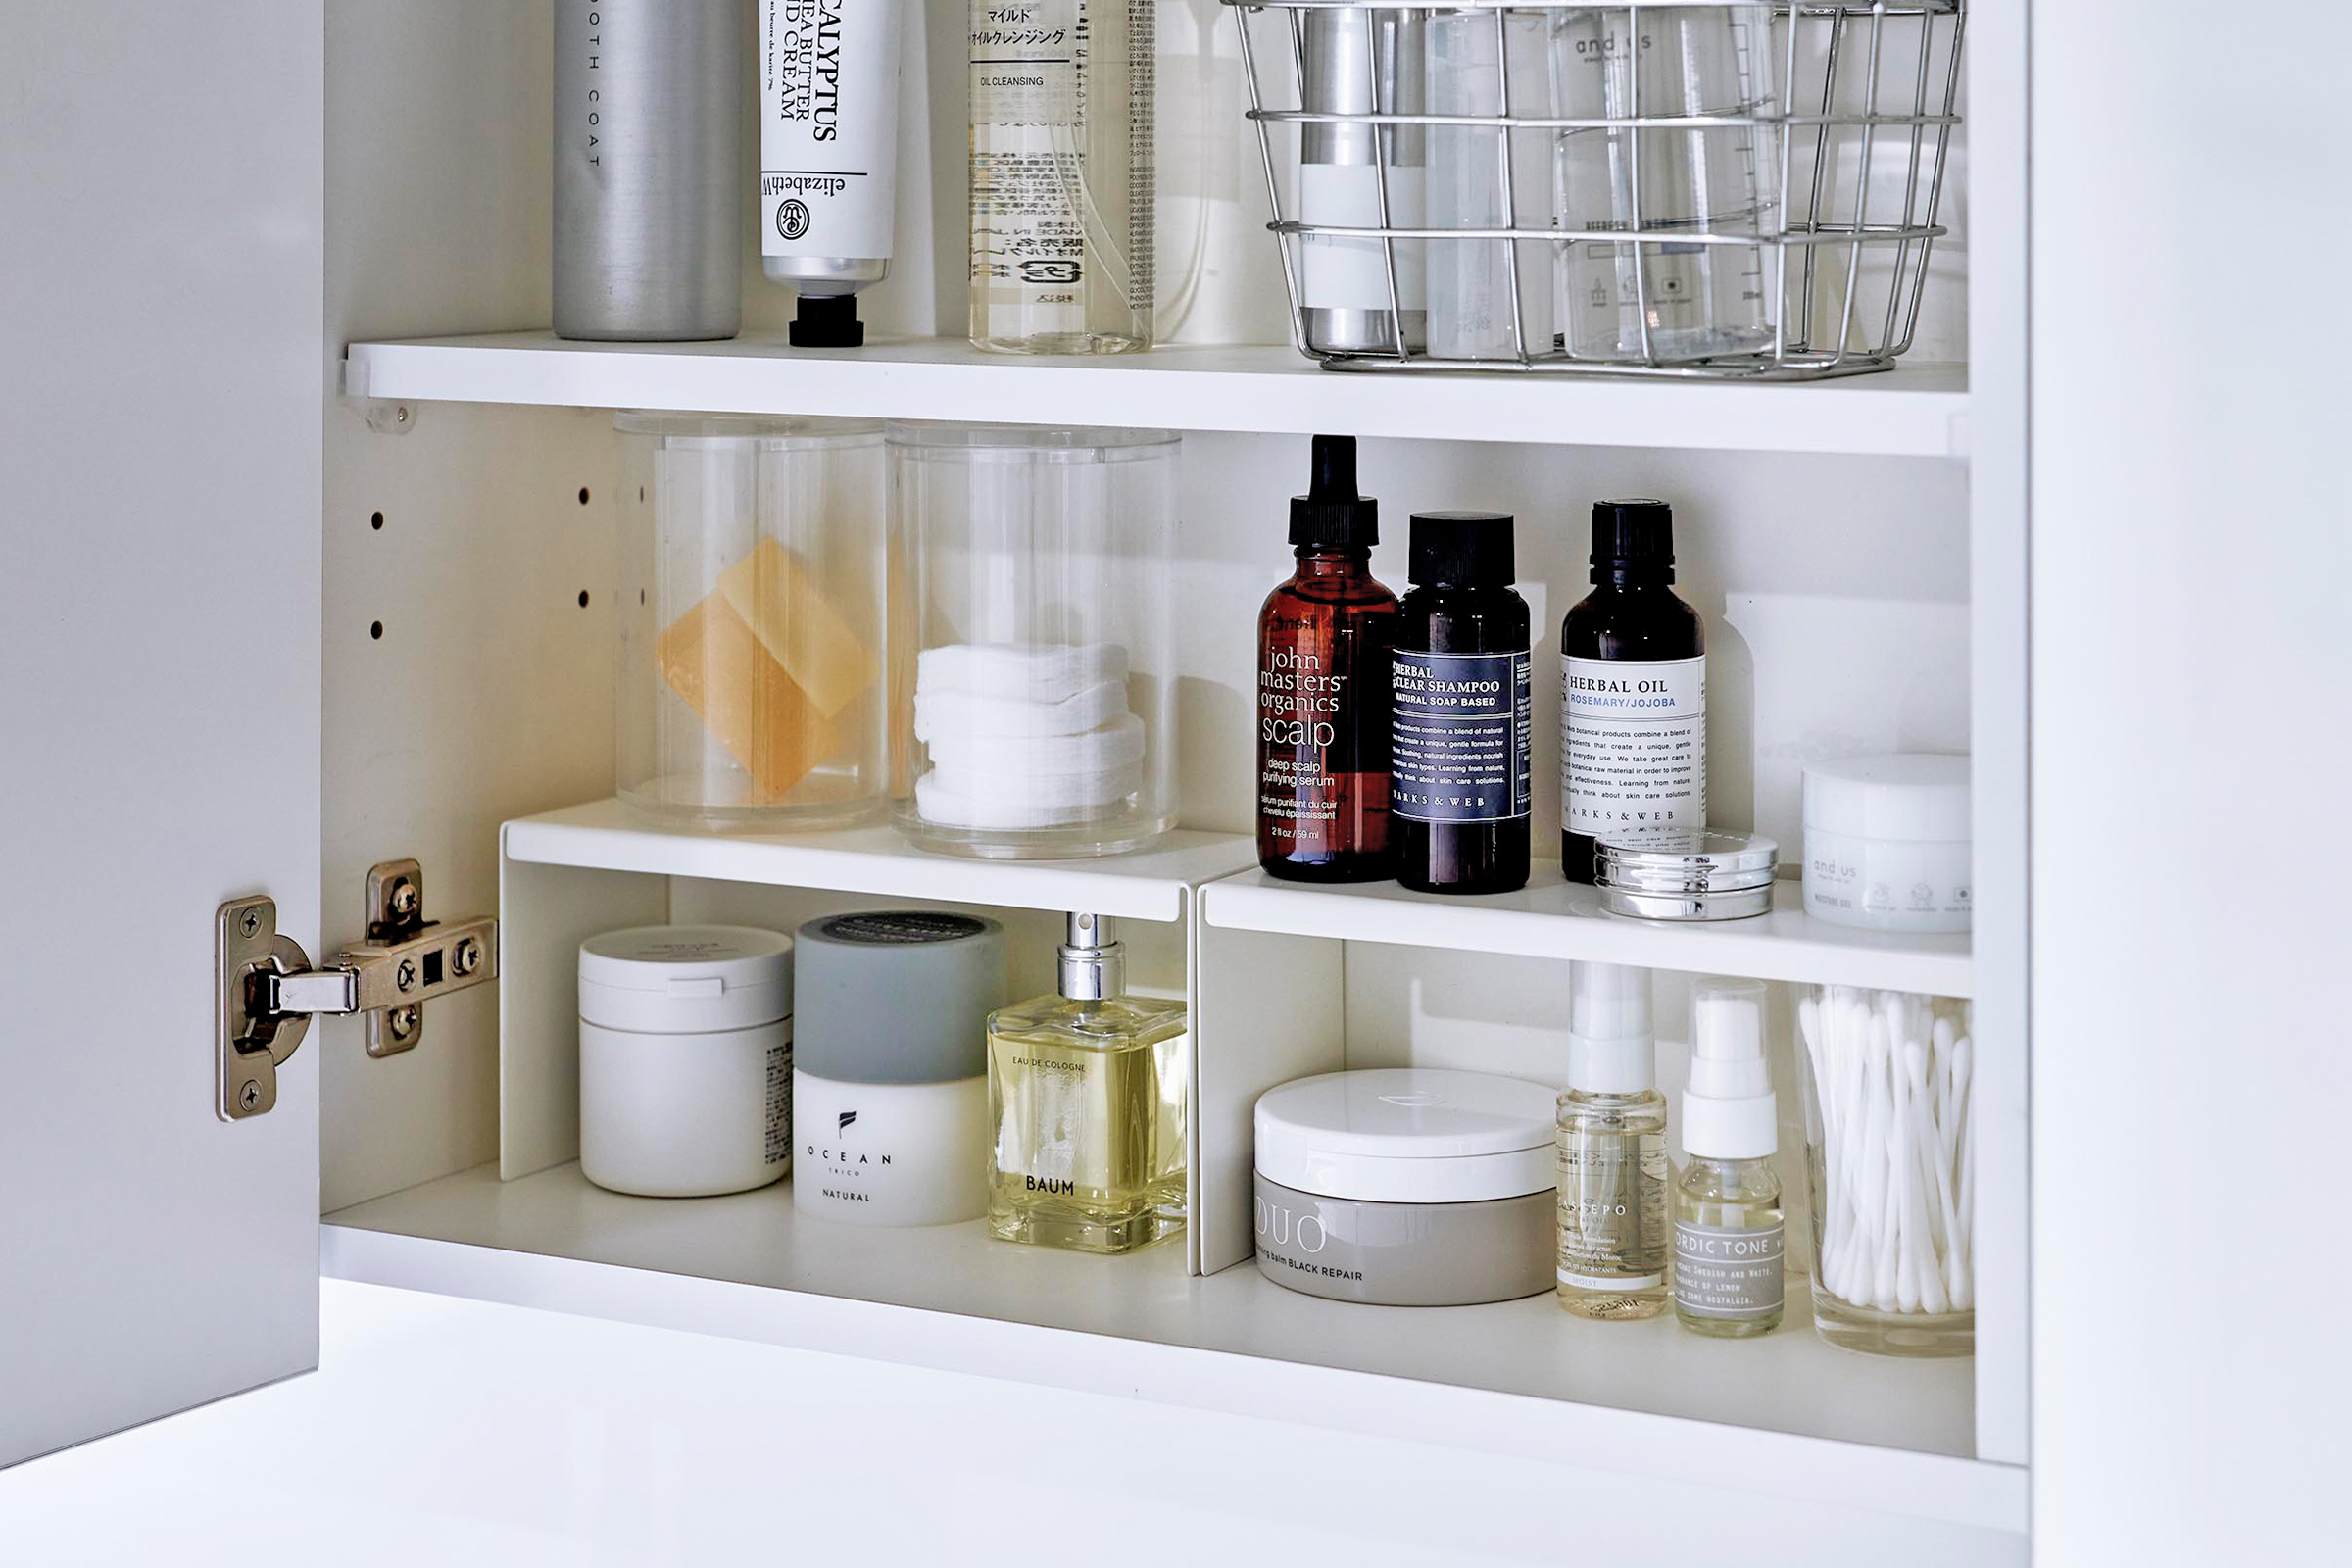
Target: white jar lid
(685, 979)
(1408, 1134)
(1919, 797)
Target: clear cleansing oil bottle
(1728, 1224)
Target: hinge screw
(404, 977)
(250, 924)
(466, 957)
(402, 1021)
(249, 1097)
(404, 900)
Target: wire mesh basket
(1677, 188)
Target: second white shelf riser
(1553, 918)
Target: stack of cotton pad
(1024, 735)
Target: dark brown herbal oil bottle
(1458, 786)
(1632, 690)
(1323, 644)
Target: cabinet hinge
(269, 992)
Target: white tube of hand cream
(828, 155)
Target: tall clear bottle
(1086, 1099)
(1612, 1151)
(1667, 298)
(1062, 175)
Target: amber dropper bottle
(1323, 645)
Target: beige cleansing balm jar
(1407, 1187)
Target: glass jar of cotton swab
(1887, 1077)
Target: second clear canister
(1034, 666)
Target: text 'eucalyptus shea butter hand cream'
(1407, 1187)
(828, 156)
(892, 1080)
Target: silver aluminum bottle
(649, 169)
(1359, 59)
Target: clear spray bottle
(1728, 1222)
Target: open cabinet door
(162, 361)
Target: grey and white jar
(891, 1081)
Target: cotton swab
(1892, 1082)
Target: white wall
(2191, 689)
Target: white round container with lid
(1886, 842)
(1407, 1187)
(685, 1059)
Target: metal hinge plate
(267, 992)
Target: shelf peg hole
(376, 520)
(583, 598)
(583, 495)
(375, 630)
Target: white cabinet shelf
(604, 836)
(1912, 411)
(1520, 1377)
(1552, 918)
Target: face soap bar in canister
(891, 1087)
(1407, 1187)
(715, 663)
(685, 1059)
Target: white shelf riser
(549, 908)
(1553, 919)
(605, 836)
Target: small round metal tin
(1686, 874)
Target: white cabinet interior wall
(469, 651)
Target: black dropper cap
(1331, 516)
(1461, 550)
(1633, 537)
(828, 321)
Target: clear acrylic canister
(1888, 1079)
(753, 593)
(1038, 711)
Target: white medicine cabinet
(330, 591)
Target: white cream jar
(1886, 842)
(685, 1059)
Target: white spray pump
(1727, 1110)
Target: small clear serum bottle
(1728, 1222)
(1612, 1151)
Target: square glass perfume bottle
(1086, 1094)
